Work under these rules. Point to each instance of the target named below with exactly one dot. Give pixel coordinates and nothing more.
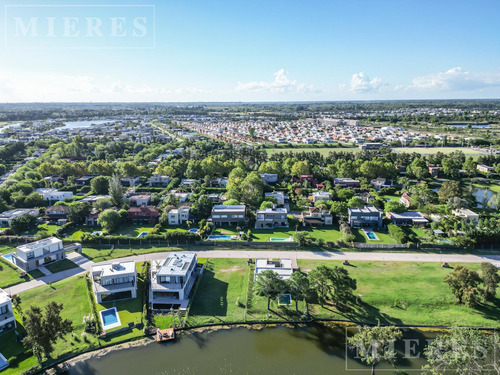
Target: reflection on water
(83, 124)
(484, 196)
(313, 350)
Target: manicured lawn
(61, 265)
(9, 274)
(106, 252)
(383, 236)
(435, 150)
(132, 230)
(165, 321)
(406, 293)
(327, 233)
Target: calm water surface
(313, 350)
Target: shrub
(397, 233)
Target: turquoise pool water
(8, 257)
(218, 237)
(110, 318)
(142, 234)
(370, 235)
(194, 230)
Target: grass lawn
(9, 274)
(406, 293)
(132, 230)
(106, 252)
(165, 321)
(61, 265)
(327, 233)
(383, 236)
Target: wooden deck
(165, 334)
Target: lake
(83, 124)
(480, 194)
(479, 126)
(316, 349)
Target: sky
(199, 50)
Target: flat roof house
(158, 180)
(368, 216)
(172, 280)
(85, 180)
(223, 215)
(283, 267)
(7, 319)
(320, 196)
(407, 218)
(485, 168)
(54, 195)
(269, 178)
(113, 281)
(6, 217)
(346, 182)
(177, 216)
(280, 196)
(466, 215)
(140, 199)
(34, 254)
(271, 218)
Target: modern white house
(7, 319)
(54, 195)
(6, 217)
(283, 267)
(178, 216)
(32, 255)
(466, 215)
(172, 280)
(271, 218)
(280, 196)
(320, 196)
(181, 196)
(158, 180)
(114, 281)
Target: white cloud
(361, 83)
(455, 79)
(281, 84)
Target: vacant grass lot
(61, 265)
(388, 292)
(106, 252)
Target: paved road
(85, 264)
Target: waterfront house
(178, 216)
(34, 254)
(6, 217)
(368, 216)
(143, 215)
(316, 216)
(271, 218)
(7, 319)
(283, 267)
(172, 280)
(114, 281)
(229, 215)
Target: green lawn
(388, 292)
(106, 252)
(9, 274)
(383, 236)
(132, 230)
(61, 265)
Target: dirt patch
(234, 269)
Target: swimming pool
(370, 235)
(194, 230)
(289, 239)
(8, 257)
(142, 234)
(110, 318)
(97, 233)
(3, 362)
(218, 237)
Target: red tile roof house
(143, 215)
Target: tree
(78, 212)
(109, 220)
(202, 208)
(418, 168)
(320, 279)
(393, 206)
(470, 166)
(23, 223)
(298, 286)
(339, 208)
(34, 200)
(43, 330)
(356, 202)
(100, 185)
(451, 167)
(448, 190)
(116, 189)
(101, 167)
(491, 278)
(464, 285)
(269, 284)
(299, 168)
(375, 344)
(266, 204)
(461, 351)
(129, 169)
(252, 189)
(342, 285)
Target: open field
(322, 150)
(388, 292)
(434, 150)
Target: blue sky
(254, 51)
